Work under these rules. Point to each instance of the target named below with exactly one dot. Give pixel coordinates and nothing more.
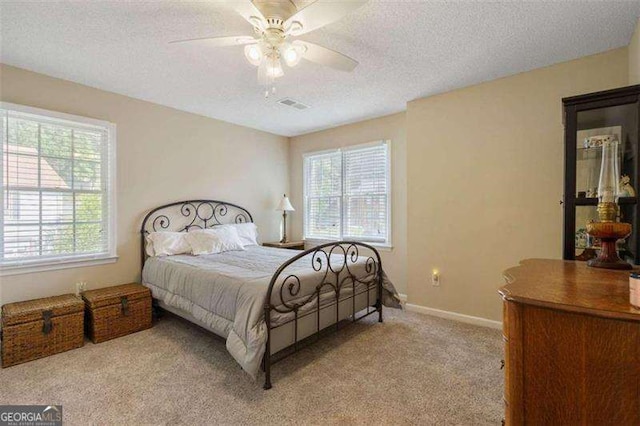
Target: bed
(266, 302)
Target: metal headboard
(182, 216)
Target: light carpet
(412, 369)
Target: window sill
(378, 246)
(55, 265)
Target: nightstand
(291, 245)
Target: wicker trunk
(39, 328)
(117, 311)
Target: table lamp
(285, 206)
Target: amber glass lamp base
(608, 233)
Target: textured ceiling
(406, 50)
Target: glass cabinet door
(618, 122)
(585, 245)
(589, 120)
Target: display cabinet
(588, 120)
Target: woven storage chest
(42, 327)
(117, 311)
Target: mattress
(227, 291)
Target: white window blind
(56, 188)
(323, 204)
(366, 175)
(347, 194)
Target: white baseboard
(453, 316)
(403, 298)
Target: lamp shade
(608, 186)
(292, 53)
(285, 204)
(253, 54)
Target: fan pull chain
(270, 90)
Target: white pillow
(165, 243)
(148, 246)
(248, 232)
(216, 240)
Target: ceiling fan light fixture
(253, 53)
(295, 28)
(269, 70)
(291, 55)
(273, 21)
(274, 68)
(256, 22)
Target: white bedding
(227, 292)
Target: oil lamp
(607, 228)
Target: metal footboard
(333, 264)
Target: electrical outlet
(435, 278)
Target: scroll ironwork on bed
(331, 262)
(183, 216)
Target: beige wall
(391, 128)
(476, 175)
(485, 177)
(634, 56)
(163, 155)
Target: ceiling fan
(275, 23)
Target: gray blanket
(227, 292)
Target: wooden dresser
(572, 345)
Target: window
(347, 194)
(57, 190)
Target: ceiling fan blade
(220, 41)
(248, 11)
(321, 13)
(330, 58)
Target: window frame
(386, 245)
(75, 261)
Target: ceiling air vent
(293, 104)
